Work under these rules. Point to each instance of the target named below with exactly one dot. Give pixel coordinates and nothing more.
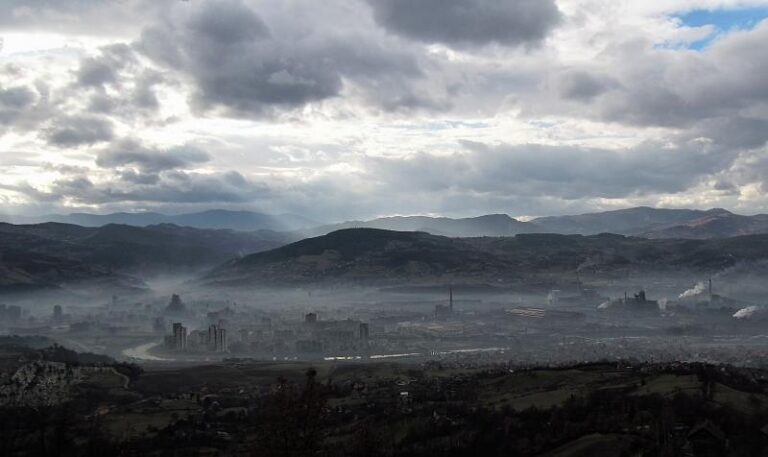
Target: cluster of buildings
(699, 298)
(307, 336)
(321, 336)
(637, 303)
(214, 339)
(384, 326)
(9, 313)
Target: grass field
(221, 376)
(595, 445)
(547, 388)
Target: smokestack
(710, 289)
(450, 298)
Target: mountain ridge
(484, 225)
(208, 219)
(637, 221)
(382, 257)
(50, 254)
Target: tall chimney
(578, 281)
(710, 289)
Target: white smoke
(588, 263)
(605, 305)
(748, 312)
(698, 289)
(663, 304)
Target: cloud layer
(357, 108)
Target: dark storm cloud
(239, 64)
(226, 49)
(16, 97)
(104, 68)
(24, 107)
(73, 131)
(736, 132)
(94, 72)
(144, 95)
(564, 172)
(468, 22)
(13, 102)
(130, 175)
(583, 86)
(131, 153)
(228, 22)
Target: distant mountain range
(49, 255)
(632, 221)
(374, 256)
(640, 221)
(212, 219)
(715, 224)
(488, 225)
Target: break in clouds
(355, 108)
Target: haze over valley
(384, 228)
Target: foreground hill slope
(495, 410)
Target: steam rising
(605, 305)
(749, 312)
(698, 289)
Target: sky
(353, 109)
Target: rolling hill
(48, 255)
(359, 255)
(488, 225)
(716, 225)
(373, 256)
(630, 221)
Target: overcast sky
(341, 109)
